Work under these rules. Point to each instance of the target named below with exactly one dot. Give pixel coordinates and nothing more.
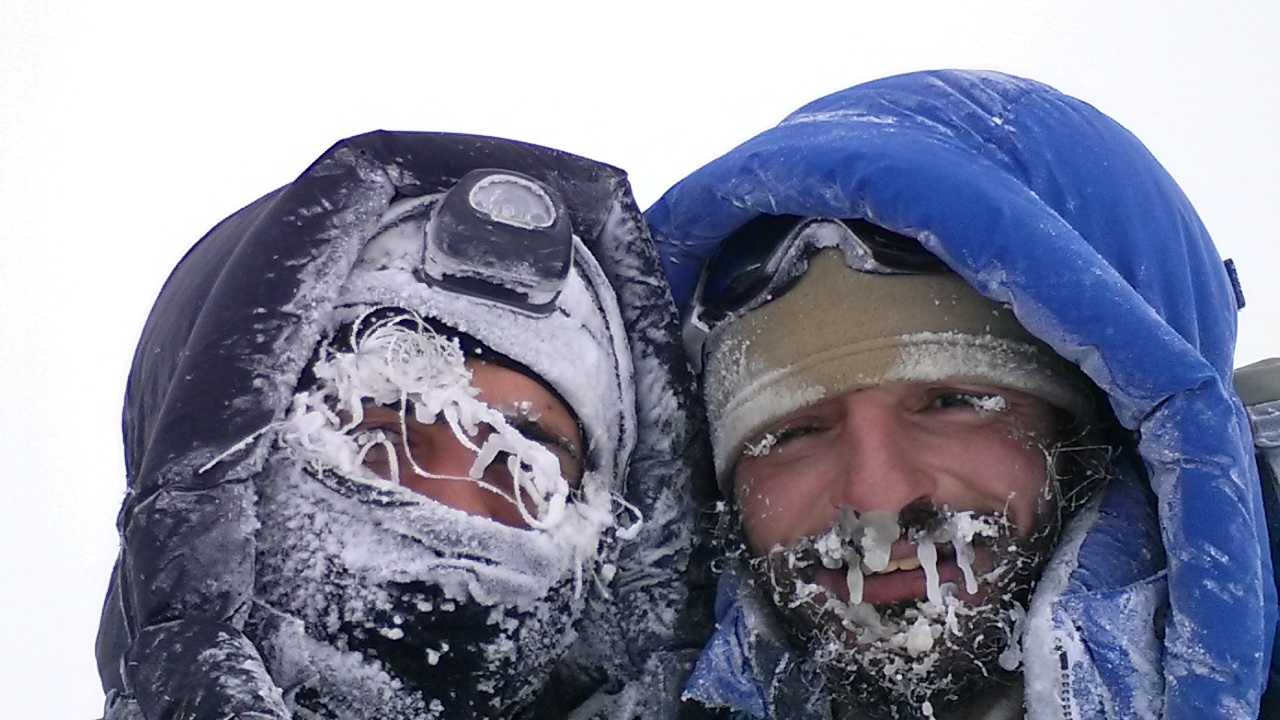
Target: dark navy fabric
(1044, 203)
(186, 633)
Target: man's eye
(982, 402)
(765, 444)
(570, 454)
(795, 432)
(378, 434)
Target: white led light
(513, 201)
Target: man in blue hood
(966, 352)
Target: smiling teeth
(855, 575)
(906, 563)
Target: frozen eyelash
(762, 447)
(987, 403)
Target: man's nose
(448, 453)
(879, 469)
(490, 495)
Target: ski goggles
(763, 259)
(503, 236)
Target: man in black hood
(387, 459)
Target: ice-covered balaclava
(839, 330)
(376, 601)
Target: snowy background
(128, 129)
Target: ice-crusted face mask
(383, 602)
(908, 658)
(403, 363)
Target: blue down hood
(1047, 205)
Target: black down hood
(219, 360)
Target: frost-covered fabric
(1045, 204)
(1258, 385)
(264, 574)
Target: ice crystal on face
(410, 366)
(1011, 658)
(761, 447)
(928, 555)
(880, 530)
(988, 403)
(855, 538)
(919, 637)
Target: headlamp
(503, 236)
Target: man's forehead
(955, 385)
(839, 330)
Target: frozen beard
(911, 658)
(378, 602)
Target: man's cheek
(760, 540)
(775, 529)
(759, 517)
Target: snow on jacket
(249, 586)
(1159, 602)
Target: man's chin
(892, 658)
(902, 655)
(905, 652)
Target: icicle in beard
(911, 658)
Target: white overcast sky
(128, 129)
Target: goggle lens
(762, 259)
(737, 273)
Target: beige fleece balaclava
(839, 330)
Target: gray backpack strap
(1259, 383)
(1258, 386)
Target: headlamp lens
(513, 201)
(503, 236)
